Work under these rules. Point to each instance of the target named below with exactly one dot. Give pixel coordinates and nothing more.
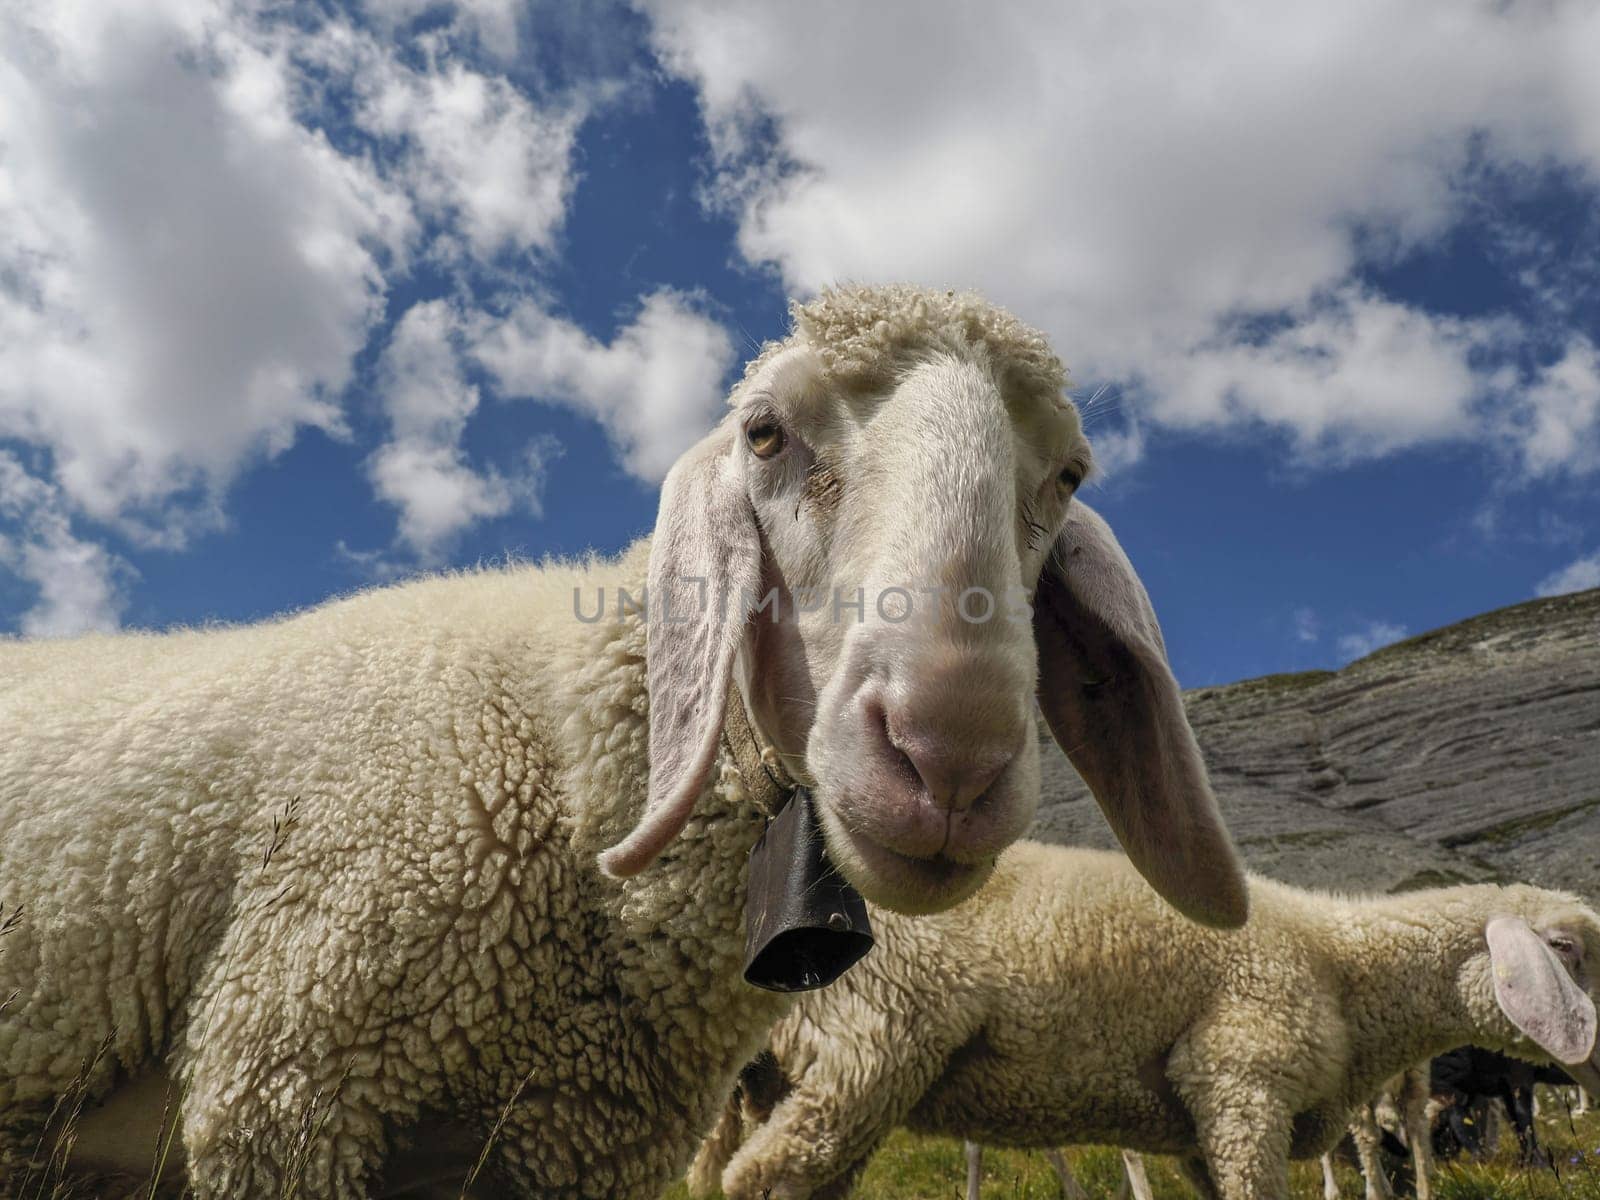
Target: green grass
(910, 1167)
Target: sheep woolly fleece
(431, 933)
(1065, 1003)
(864, 336)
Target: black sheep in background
(1469, 1079)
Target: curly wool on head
(865, 335)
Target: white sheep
(336, 875)
(1065, 1003)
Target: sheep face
(893, 564)
(1534, 987)
(905, 527)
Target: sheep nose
(953, 773)
(958, 728)
(930, 749)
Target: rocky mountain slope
(1468, 753)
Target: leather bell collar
(805, 925)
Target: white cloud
(492, 24)
(1558, 414)
(1307, 628)
(437, 493)
(190, 265)
(1373, 636)
(422, 469)
(185, 270)
(486, 153)
(471, 149)
(76, 581)
(656, 388)
(1144, 181)
(1577, 576)
(1349, 375)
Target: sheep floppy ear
(1113, 705)
(1535, 991)
(705, 564)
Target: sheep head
(881, 542)
(1540, 962)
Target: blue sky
(296, 298)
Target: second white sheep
(1066, 1004)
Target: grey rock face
(1469, 753)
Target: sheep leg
(1330, 1185)
(1242, 1114)
(1138, 1178)
(836, 1113)
(1244, 1135)
(278, 1129)
(1070, 1187)
(1488, 1116)
(1519, 1106)
(716, 1149)
(283, 1091)
(1468, 1131)
(806, 1150)
(1414, 1119)
(974, 1169)
(1365, 1134)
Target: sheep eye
(1565, 947)
(765, 438)
(1069, 479)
